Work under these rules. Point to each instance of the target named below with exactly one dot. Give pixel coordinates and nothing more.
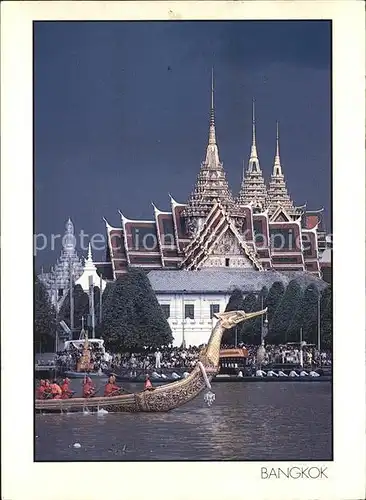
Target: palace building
(247, 241)
(259, 229)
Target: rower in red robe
(148, 385)
(88, 388)
(41, 390)
(65, 388)
(111, 389)
(47, 390)
(56, 390)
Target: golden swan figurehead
(231, 318)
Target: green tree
(96, 304)
(284, 312)
(310, 314)
(132, 316)
(154, 328)
(117, 314)
(81, 308)
(44, 319)
(236, 303)
(273, 299)
(296, 321)
(247, 331)
(258, 322)
(326, 318)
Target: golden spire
(277, 169)
(212, 135)
(253, 152)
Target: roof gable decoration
(158, 212)
(247, 249)
(280, 215)
(210, 234)
(175, 203)
(199, 246)
(229, 242)
(204, 230)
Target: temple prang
(253, 188)
(68, 267)
(211, 186)
(278, 197)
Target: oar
(118, 390)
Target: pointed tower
(277, 190)
(90, 269)
(211, 185)
(57, 281)
(253, 188)
(68, 257)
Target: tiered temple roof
(211, 185)
(253, 188)
(278, 197)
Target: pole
(301, 353)
(183, 320)
(236, 335)
(91, 305)
(262, 324)
(71, 299)
(100, 299)
(319, 324)
(56, 311)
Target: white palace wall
(196, 331)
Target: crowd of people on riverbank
(159, 359)
(288, 354)
(178, 358)
(186, 358)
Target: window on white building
(166, 310)
(189, 311)
(214, 309)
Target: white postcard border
(23, 479)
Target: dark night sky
(122, 112)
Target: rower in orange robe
(88, 388)
(148, 385)
(65, 388)
(56, 390)
(111, 389)
(47, 390)
(41, 390)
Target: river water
(248, 421)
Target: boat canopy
(79, 344)
(241, 352)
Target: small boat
(165, 397)
(84, 366)
(73, 374)
(232, 378)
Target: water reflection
(253, 421)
